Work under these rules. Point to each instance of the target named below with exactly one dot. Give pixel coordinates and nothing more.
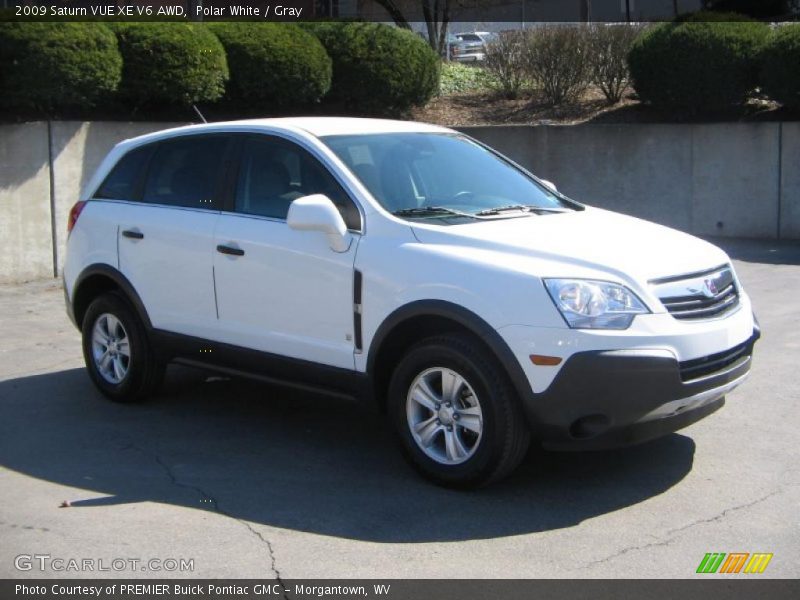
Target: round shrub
(49, 66)
(274, 64)
(780, 71)
(697, 66)
(170, 63)
(378, 68)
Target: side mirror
(549, 184)
(317, 213)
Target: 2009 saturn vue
(410, 265)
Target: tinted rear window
(185, 172)
(122, 181)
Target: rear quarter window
(123, 180)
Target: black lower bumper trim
(637, 433)
(617, 392)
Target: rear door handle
(230, 250)
(132, 234)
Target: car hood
(593, 238)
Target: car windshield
(440, 176)
(469, 37)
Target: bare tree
(394, 12)
(436, 14)
(608, 47)
(505, 60)
(556, 59)
(437, 18)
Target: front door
(278, 290)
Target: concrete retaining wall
(78, 149)
(728, 179)
(33, 221)
(790, 181)
(732, 179)
(26, 243)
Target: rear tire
(116, 350)
(456, 413)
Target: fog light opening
(589, 426)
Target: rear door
(283, 291)
(166, 238)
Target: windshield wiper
(548, 209)
(528, 208)
(430, 211)
(501, 209)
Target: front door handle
(230, 250)
(133, 234)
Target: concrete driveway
(251, 481)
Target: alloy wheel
(444, 416)
(110, 348)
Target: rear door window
(187, 172)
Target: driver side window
(273, 173)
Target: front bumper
(602, 399)
(469, 57)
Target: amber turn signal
(545, 361)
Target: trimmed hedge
(697, 66)
(780, 66)
(50, 66)
(170, 63)
(378, 68)
(274, 64)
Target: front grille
(693, 307)
(708, 365)
(699, 295)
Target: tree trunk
(437, 18)
(584, 10)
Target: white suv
(409, 265)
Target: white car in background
(409, 265)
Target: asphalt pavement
(226, 478)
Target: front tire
(116, 351)
(456, 413)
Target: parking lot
(247, 480)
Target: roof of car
(317, 126)
(321, 126)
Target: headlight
(587, 304)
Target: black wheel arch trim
(120, 280)
(465, 318)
